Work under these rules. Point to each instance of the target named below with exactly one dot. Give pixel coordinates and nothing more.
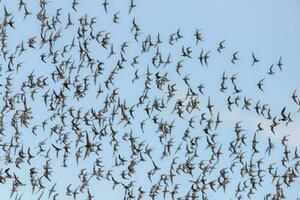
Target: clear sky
(270, 29)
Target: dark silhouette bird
(131, 6)
(234, 57)
(221, 46)
(279, 64)
(254, 59)
(260, 84)
(105, 4)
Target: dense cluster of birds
(129, 114)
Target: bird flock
(88, 108)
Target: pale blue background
(269, 28)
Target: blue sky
(269, 29)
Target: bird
(116, 17)
(271, 72)
(295, 97)
(131, 6)
(279, 64)
(254, 59)
(105, 4)
(234, 57)
(260, 84)
(221, 46)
